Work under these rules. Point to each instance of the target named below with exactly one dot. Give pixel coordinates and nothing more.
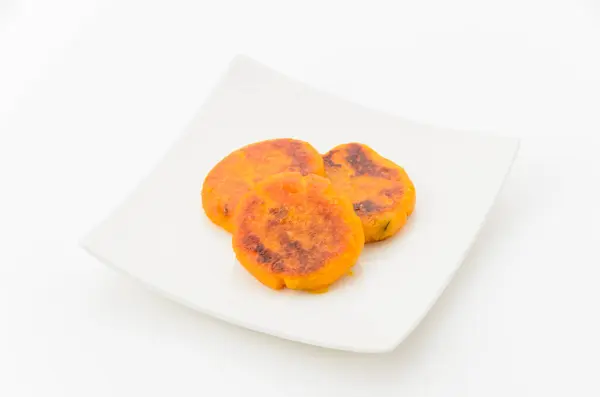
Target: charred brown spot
(291, 245)
(226, 210)
(328, 159)
(363, 165)
(365, 207)
(264, 255)
(277, 215)
(250, 242)
(279, 212)
(394, 192)
(300, 158)
(278, 266)
(308, 260)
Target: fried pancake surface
(233, 176)
(297, 232)
(381, 191)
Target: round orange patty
(233, 176)
(297, 232)
(381, 191)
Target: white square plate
(161, 236)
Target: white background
(93, 92)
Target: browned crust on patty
(296, 231)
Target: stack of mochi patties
(300, 220)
